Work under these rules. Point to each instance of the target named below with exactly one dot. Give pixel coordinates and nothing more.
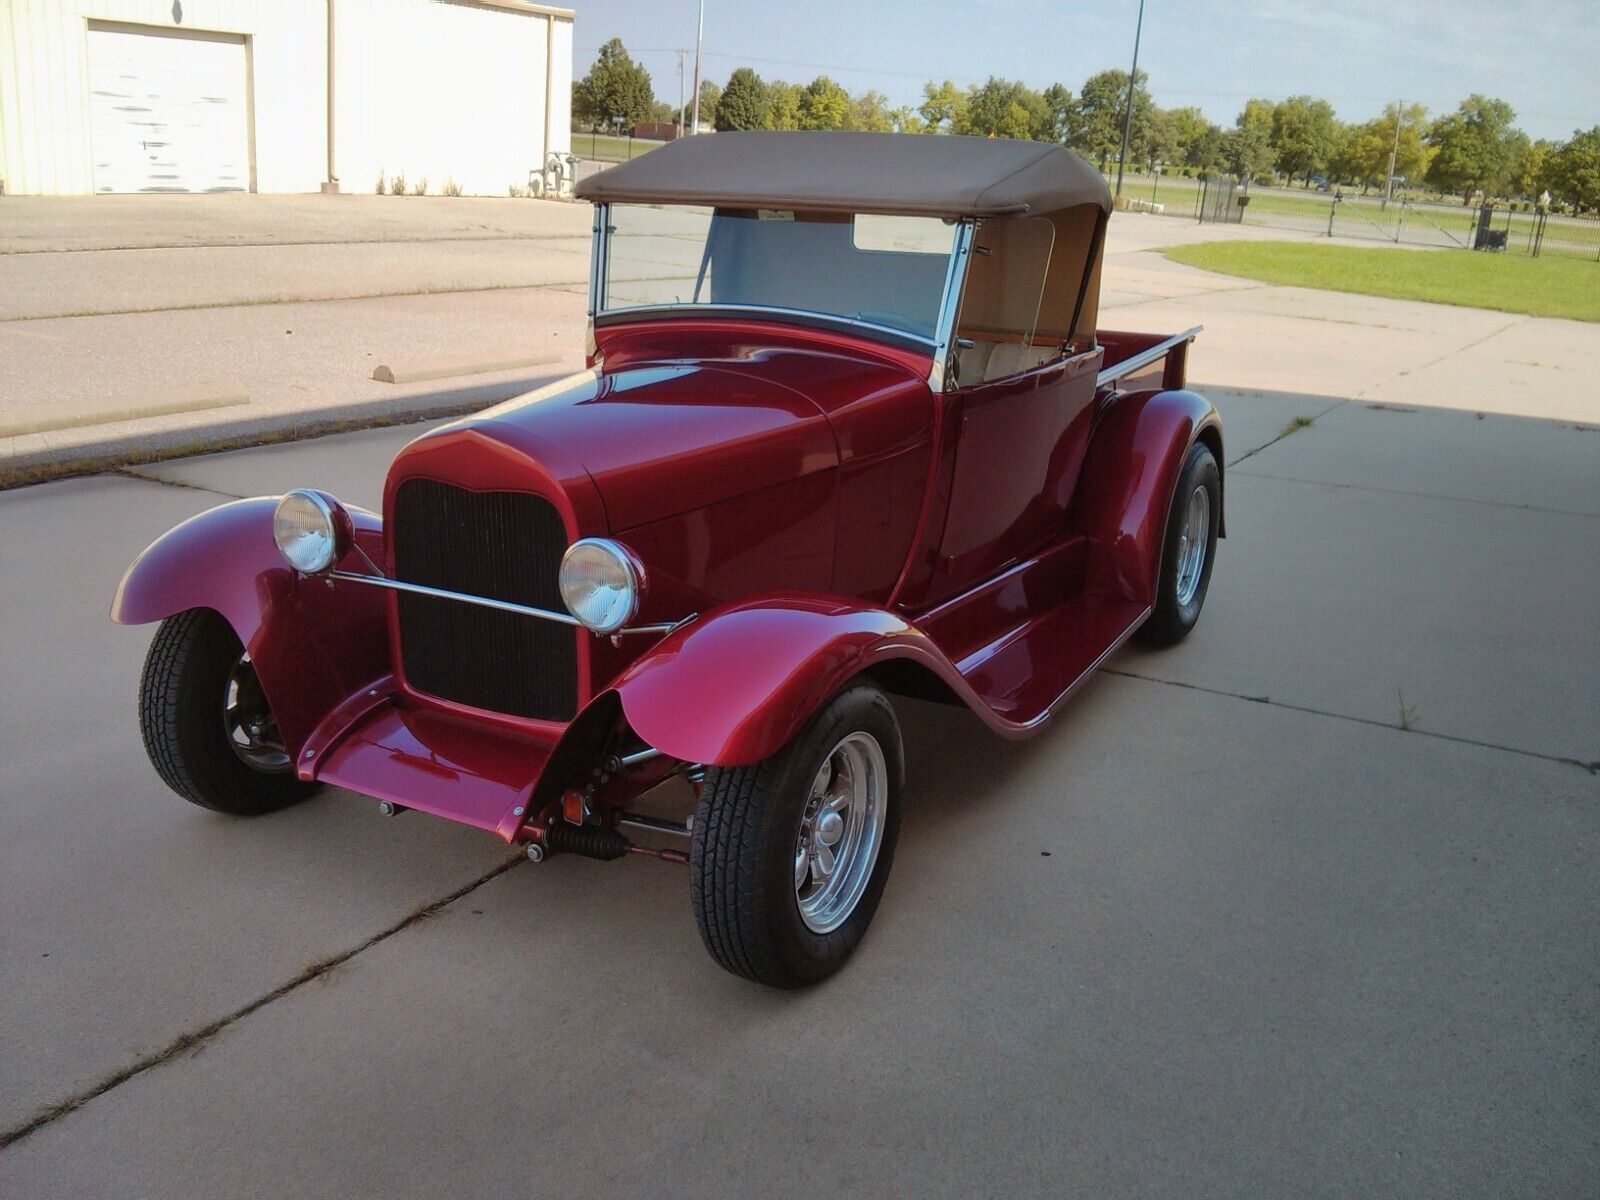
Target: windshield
(881, 270)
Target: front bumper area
(428, 761)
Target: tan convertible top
(917, 174)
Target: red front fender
(1125, 489)
(734, 686)
(312, 645)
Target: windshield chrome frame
(938, 345)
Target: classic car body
(958, 489)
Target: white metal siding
(168, 112)
(45, 107)
(444, 91)
(426, 87)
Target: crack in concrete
(187, 1041)
(1591, 767)
(130, 473)
(1289, 432)
(1364, 487)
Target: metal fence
(1223, 200)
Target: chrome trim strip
(522, 610)
(638, 756)
(954, 279)
(1145, 357)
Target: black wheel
(1188, 551)
(790, 855)
(207, 728)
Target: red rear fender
(1125, 491)
(312, 645)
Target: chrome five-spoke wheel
(841, 830)
(1193, 542)
(790, 853)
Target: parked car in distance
(849, 430)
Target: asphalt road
(1305, 907)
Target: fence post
(1332, 211)
(1399, 221)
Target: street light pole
(1127, 117)
(681, 53)
(699, 35)
(1394, 152)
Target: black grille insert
(504, 545)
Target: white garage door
(169, 112)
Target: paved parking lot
(1304, 907)
(1226, 929)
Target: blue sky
(1543, 57)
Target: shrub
(397, 185)
(450, 188)
(382, 187)
(518, 191)
(420, 188)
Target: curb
(44, 463)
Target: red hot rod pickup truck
(848, 429)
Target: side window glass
(997, 330)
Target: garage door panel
(168, 112)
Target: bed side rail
(1177, 346)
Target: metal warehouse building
(279, 95)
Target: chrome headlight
(601, 583)
(312, 530)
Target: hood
(664, 439)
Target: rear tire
(1188, 551)
(774, 899)
(198, 696)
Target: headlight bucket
(602, 583)
(312, 529)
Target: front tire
(791, 854)
(1188, 551)
(207, 727)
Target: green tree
(1474, 148)
(744, 102)
(942, 105)
(1574, 170)
(1162, 143)
(710, 97)
(907, 120)
(1063, 112)
(823, 105)
(1531, 175)
(615, 86)
(783, 105)
(869, 112)
(1195, 141)
(1247, 147)
(1101, 105)
(1004, 108)
(1304, 136)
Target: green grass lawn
(607, 148)
(1541, 287)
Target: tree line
(1475, 149)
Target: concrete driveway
(1305, 907)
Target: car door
(1020, 415)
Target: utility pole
(681, 54)
(699, 35)
(1394, 152)
(1127, 117)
